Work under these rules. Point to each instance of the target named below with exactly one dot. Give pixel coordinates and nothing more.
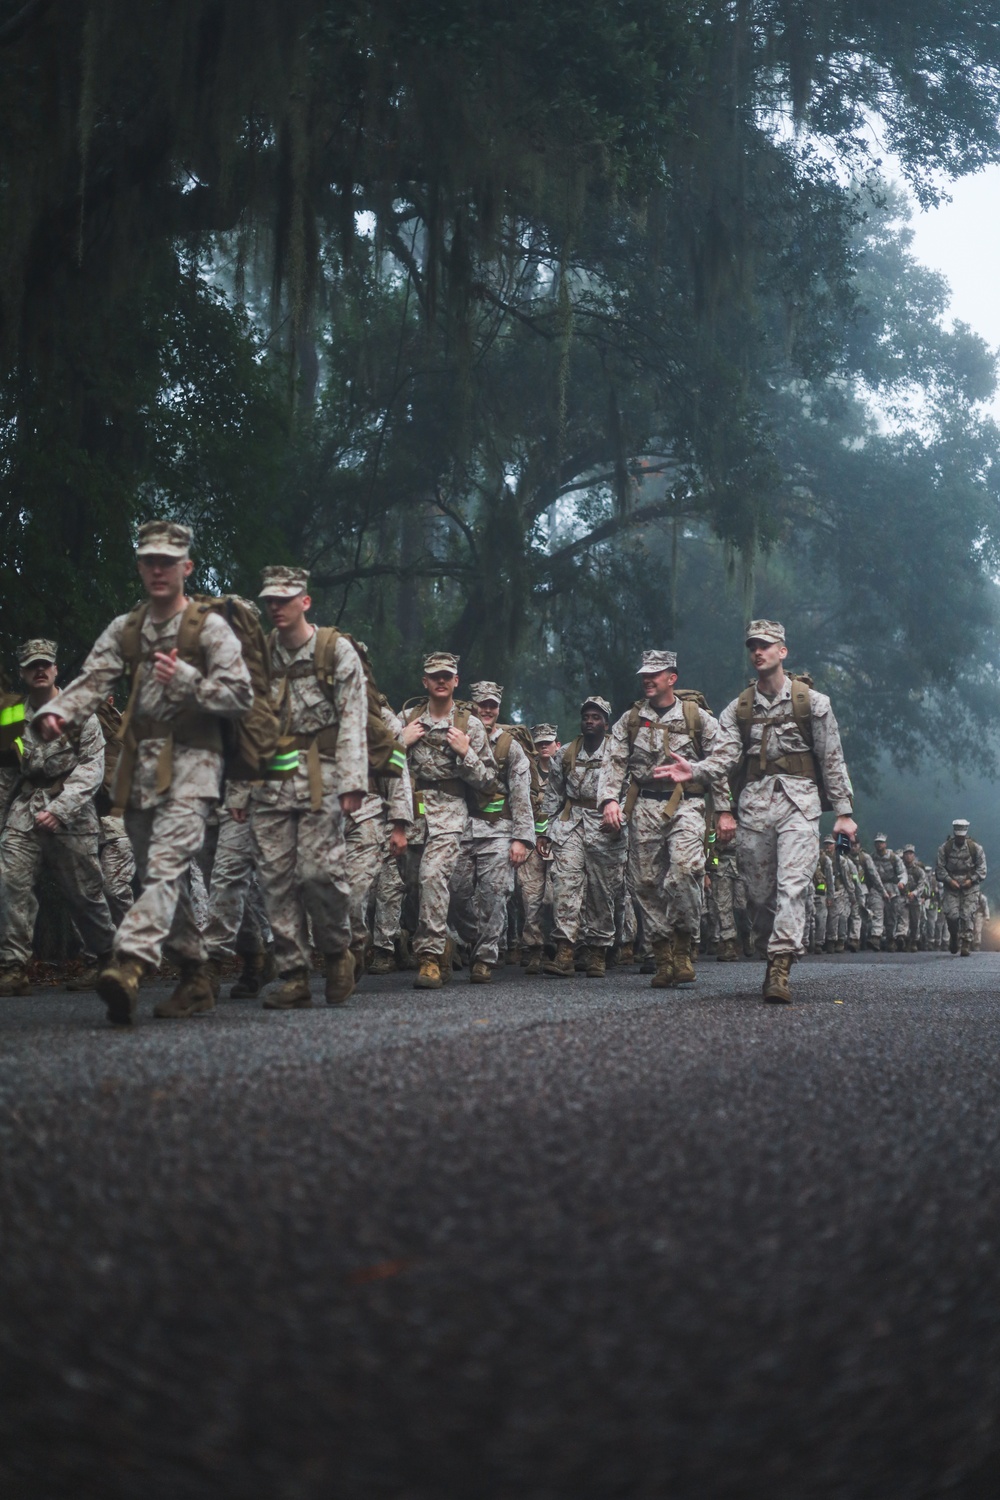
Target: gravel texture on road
(545, 1240)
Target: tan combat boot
(341, 969)
(683, 958)
(563, 964)
(626, 954)
(14, 980)
(383, 962)
(118, 987)
(251, 978)
(192, 997)
(294, 994)
(480, 973)
(728, 952)
(776, 986)
(532, 960)
(429, 977)
(514, 955)
(597, 967)
(88, 977)
(663, 972)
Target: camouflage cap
(283, 583)
(441, 661)
(544, 734)
(828, 840)
(658, 661)
(908, 849)
(37, 650)
(960, 825)
(765, 630)
(880, 838)
(597, 702)
(163, 539)
(486, 692)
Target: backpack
(499, 806)
(247, 744)
(800, 683)
(110, 721)
(386, 756)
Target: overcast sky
(962, 240)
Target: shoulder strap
(189, 631)
(744, 712)
(324, 653)
(131, 643)
(632, 727)
(692, 720)
(570, 753)
(462, 718)
(802, 709)
(501, 749)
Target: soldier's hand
(543, 846)
(612, 816)
(725, 827)
(845, 824)
(48, 821)
(413, 732)
(165, 664)
(350, 802)
(518, 852)
(240, 814)
(49, 726)
(397, 840)
(459, 741)
(678, 770)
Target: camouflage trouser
(588, 872)
(365, 842)
(728, 897)
(821, 920)
(72, 859)
(960, 907)
(878, 911)
(237, 920)
(855, 920)
(667, 861)
(389, 890)
(481, 883)
(118, 870)
(533, 884)
(842, 915)
(778, 864)
(302, 866)
(166, 841)
(431, 864)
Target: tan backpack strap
(632, 727)
(324, 653)
(744, 712)
(692, 720)
(189, 632)
(501, 750)
(802, 709)
(462, 719)
(131, 649)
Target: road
(548, 1240)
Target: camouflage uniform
(299, 846)
(439, 776)
(890, 918)
(822, 903)
(778, 811)
(117, 867)
(960, 861)
(666, 847)
(728, 889)
(588, 860)
(534, 877)
(389, 888)
(366, 841)
(483, 877)
(236, 919)
(914, 900)
(61, 778)
(165, 823)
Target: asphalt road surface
(550, 1240)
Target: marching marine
(781, 739)
(961, 869)
(187, 675)
(52, 821)
(319, 692)
(533, 877)
(588, 858)
(498, 839)
(666, 824)
(449, 752)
